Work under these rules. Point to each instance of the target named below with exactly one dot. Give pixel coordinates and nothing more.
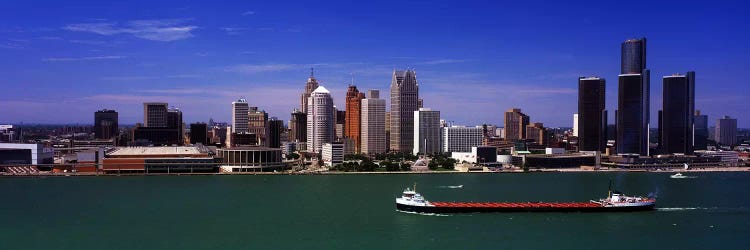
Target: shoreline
(532, 171)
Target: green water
(357, 212)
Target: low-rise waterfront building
(250, 159)
(194, 159)
(333, 154)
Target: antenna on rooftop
(312, 72)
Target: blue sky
(61, 61)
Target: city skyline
(62, 68)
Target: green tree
(390, 166)
(405, 166)
(433, 165)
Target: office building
(298, 127)
(275, 129)
(320, 119)
(174, 121)
(426, 131)
(678, 108)
(240, 111)
(105, 124)
(726, 131)
(373, 124)
(258, 124)
(404, 101)
(155, 114)
(352, 124)
(633, 113)
(515, 124)
(333, 154)
(633, 56)
(310, 86)
(575, 120)
(25, 154)
(198, 133)
(537, 133)
(700, 136)
(592, 116)
(461, 138)
(387, 130)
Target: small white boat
(681, 176)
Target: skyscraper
(310, 86)
(633, 114)
(426, 131)
(198, 133)
(700, 138)
(258, 124)
(275, 128)
(633, 56)
(298, 126)
(515, 124)
(592, 117)
(320, 119)
(352, 127)
(678, 108)
(174, 121)
(239, 116)
(155, 114)
(373, 124)
(726, 131)
(404, 101)
(105, 124)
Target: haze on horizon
(64, 60)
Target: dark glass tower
(105, 124)
(633, 114)
(275, 129)
(676, 123)
(633, 56)
(198, 133)
(592, 116)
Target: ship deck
(515, 204)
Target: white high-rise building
(426, 131)
(240, 116)
(575, 125)
(373, 124)
(320, 119)
(461, 139)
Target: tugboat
(411, 201)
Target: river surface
(357, 212)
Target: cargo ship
(411, 201)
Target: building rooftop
(155, 151)
(321, 89)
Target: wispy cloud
(88, 42)
(248, 13)
(442, 61)
(138, 78)
(233, 30)
(260, 68)
(90, 58)
(10, 45)
(155, 30)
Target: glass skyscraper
(633, 56)
(592, 116)
(676, 128)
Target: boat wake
(680, 208)
(452, 187)
(426, 214)
(713, 209)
